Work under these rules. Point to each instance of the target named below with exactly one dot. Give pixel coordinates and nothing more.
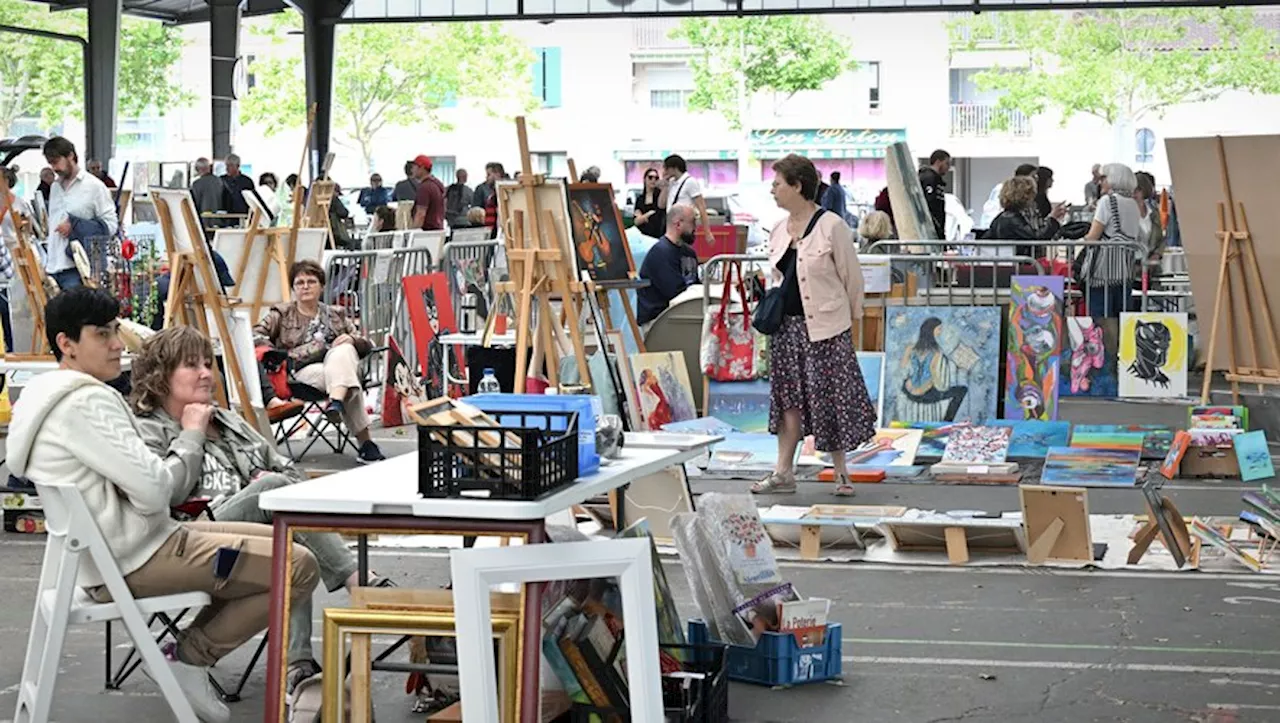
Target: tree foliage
(401, 74)
(783, 54)
(44, 78)
(1123, 64)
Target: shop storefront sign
(825, 142)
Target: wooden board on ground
(1056, 521)
(826, 525)
(954, 536)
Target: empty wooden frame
(476, 570)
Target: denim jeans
(67, 278)
(335, 561)
(1108, 301)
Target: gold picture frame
(339, 623)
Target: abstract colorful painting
(1254, 456)
(663, 387)
(1155, 443)
(1107, 440)
(1153, 354)
(1238, 415)
(1032, 346)
(1090, 349)
(1032, 438)
(1173, 459)
(1083, 467)
(942, 363)
(872, 365)
(978, 445)
(745, 405)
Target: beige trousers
(241, 602)
(339, 376)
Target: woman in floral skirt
(816, 386)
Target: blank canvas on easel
(230, 243)
(552, 198)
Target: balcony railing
(654, 34)
(982, 121)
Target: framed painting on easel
(599, 242)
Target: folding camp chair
(313, 419)
(61, 603)
(190, 510)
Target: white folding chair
(61, 603)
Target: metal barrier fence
(1069, 258)
(971, 293)
(467, 264)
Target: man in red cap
(428, 205)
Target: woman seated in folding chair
(324, 349)
(174, 370)
(69, 426)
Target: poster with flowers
(749, 549)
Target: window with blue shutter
(546, 76)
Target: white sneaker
(194, 682)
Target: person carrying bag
(768, 317)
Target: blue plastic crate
(583, 404)
(777, 659)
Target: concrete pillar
(318, 40)
(101, 76)
(224, 49)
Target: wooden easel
(27, 264)
(298, 194)
(1237, 249)
(188, 305)
(540, 271)
(601, 290)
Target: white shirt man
(683, 189)
(82, 196)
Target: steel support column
(318, 17)
(101, 74)
(224, 50)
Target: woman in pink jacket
(816, 386)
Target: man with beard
(671, 266)
(80, 207)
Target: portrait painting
(430, 316)
(599, 242)
(662, 385)
(1090, 348)
(941, 363)
(1032, 346)
(1153, 354)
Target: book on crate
(805, 619)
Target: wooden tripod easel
(541, 271)
(194, 292)
(27, 264)
(1238, 251)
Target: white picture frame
(475, 570)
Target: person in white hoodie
(68, 425)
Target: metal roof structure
(362, 11)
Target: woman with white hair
(1107, 270)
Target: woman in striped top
(1108, 269)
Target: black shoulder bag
(768, 317)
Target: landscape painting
(1032, 347)
(599, 243)
(745, 405)
(1083, 467)
(1090, 349)
(1032, 439)
(1156, 437)
(1107, 440)
(1153, 354)
(662, 385)
(942, 363)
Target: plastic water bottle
(489, 383)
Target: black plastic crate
(702, 698)
(522, 461)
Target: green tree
(738, 58)
(1122, 65)
(376, 82)
(44, 78)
